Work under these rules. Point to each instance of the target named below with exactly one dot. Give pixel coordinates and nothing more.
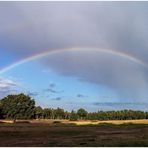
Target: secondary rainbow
(51, 52)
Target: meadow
(74, 133)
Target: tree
(38, 112)
(66, 115)
(1, 114)
(18, 107)
(73, 116)
(23, 107)
(47, 112)
(82, 113)
(59, 113)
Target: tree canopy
(18, 107)
(21, 106)
(82, 113)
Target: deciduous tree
(18, 107)
(82, 113)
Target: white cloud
(7, 86)
(4, 83)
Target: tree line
(21, 106)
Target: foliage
(82, 113)
(23, 107)
(38, 112)
(47, 112)
(59, 113)
(1, 114)
(73, 116)
(18, 107)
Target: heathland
(74, 133)
(24, 124)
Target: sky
(72, 55)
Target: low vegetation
(67, 135)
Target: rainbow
(51, 52)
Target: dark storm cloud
(30, 27)
(125, 77)
(36, 26)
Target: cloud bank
(125, 77)
(31, 27)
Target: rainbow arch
(51, 52)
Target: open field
(80, 133)
(81, 122)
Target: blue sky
(100, 59)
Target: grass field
(81, 133)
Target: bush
(57, 122)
